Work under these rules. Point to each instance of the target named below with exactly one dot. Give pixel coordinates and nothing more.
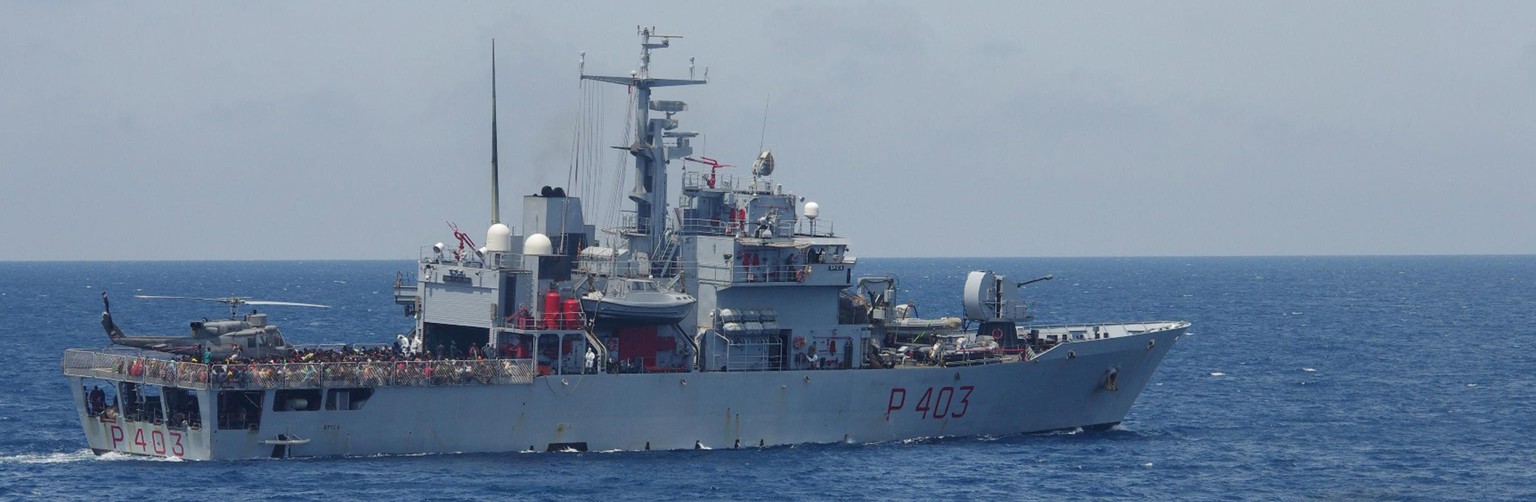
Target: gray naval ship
(732, 320)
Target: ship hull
(1062, 388)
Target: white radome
(538, 245)
(498, 238)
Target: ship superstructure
(733, 319)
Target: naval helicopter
(247, 336)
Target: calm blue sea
(1303, 378)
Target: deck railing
(150, 369)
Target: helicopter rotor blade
(233, 300)
(162, 297)
(284, 304)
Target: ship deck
(157, 368)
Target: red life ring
(997, 332)
(802, 273)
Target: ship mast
(495, 183)
(650, 151)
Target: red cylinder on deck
(572, 313)
(552, 310)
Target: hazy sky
(277, 130)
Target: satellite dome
(498, 238)
(538, 245)
(812, 210)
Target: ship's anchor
(1112, 379)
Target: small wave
(1471, 385)
(1309, 370)
(79, 456)
(386, 455)
(47, 458)
(1147, 465)
(1217, 374)
(112, 456)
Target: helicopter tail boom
(113, 332)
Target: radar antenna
(764, 164)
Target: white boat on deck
(637, 301)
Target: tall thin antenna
(495, 182)
(764, 135)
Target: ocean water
(1398, 378)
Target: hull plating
(1062, 388)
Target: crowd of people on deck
(359, 365)
(357, 354)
